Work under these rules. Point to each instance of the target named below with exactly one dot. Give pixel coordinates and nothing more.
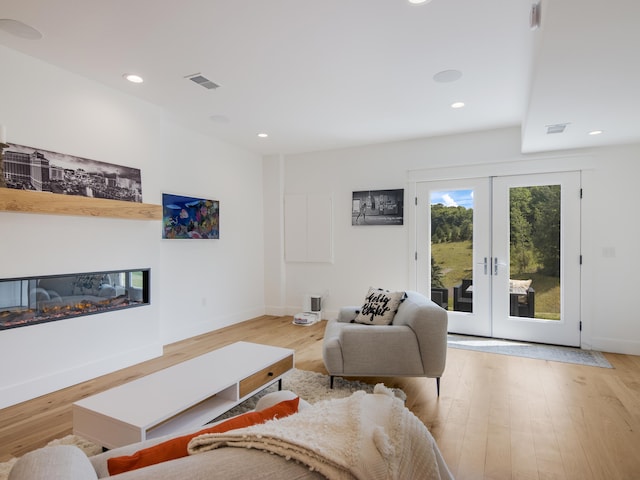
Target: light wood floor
(498, 417)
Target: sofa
(413, 344)
(71, 289)
(68, 462)
(360, 423)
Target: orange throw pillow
(177, 447)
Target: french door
(502, 255)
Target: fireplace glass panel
(31, 300)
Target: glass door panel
(534, 251)
(452, 248)
(536, 255)
(452, 268)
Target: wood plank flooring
(498, 417)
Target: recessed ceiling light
(263, 135)
(447, 76)
(596, 132)
(457, 105)
(19, 29)
(133, 78)
(418, 2)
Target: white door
(505, 251)
(453, 259)
(536, 237)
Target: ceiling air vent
(557, 128)
(202, 81)
(535, 16)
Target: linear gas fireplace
(31, 300)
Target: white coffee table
(181, 397)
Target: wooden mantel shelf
(26, 201)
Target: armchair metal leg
(438, 385)
(331, 382)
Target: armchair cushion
(519, 287)
(380, 306)
(348, 314)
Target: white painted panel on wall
(308, 228)
(295, 228)
(319, 235)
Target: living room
(199, 287)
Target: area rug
(530, 350)
(311, 386)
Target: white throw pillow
(519, 287)
(380, 306)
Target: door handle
(485, 264)
(495, 265)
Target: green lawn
(455, 259)
(136, 279)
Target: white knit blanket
(364, 436)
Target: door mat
(538, 351)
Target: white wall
(273, 206)
(383, 256)
(196, 286)
(206, 285)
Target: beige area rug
(311, 386)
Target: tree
(451, 224)
(436, 275)
(535, 229)
(546, 231)
(521, 247)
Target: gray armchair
(414, 345)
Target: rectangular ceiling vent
(535, 16)
(557, 128)
(202, 81)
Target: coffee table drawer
(265, 375)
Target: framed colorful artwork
(190, 217)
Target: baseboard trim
(36, 387)
(209, 325)
(276, 311)
(615, 345)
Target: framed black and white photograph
(29, 168)
(378, 207)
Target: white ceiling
(338, 73)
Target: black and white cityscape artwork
(378, 207)
(29, 168)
